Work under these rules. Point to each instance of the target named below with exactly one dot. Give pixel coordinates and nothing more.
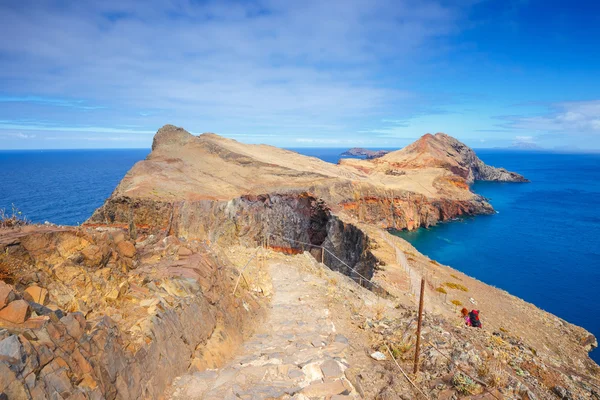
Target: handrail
(328, 251)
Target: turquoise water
(543, 245)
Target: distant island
(525, 146)
(360, 152)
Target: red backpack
(474, 317)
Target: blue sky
(339, 73)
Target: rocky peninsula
(218, 269)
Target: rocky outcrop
(291, 223)
(93, 314)
(444, 151)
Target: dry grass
(434, 262)
(14, 219)
(441, 290)
(457, 303)
(379, 310)
(455, 277)
(494, 374)
(456, 286)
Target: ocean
(543, 245)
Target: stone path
(296, 354)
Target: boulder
(16, 312)
(126, 249)
(184, 252)
(36, 294)
(11, 351)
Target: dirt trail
(297, 353)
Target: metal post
(419, 321)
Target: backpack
(474, 317)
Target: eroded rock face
(291, 223)
(117, 322)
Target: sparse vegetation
(455, 277)
(14, 219)
(441, 290)
(494, 374)
(465, 385)
(399, 350)
(457, 303)
(456, 286)
(434, 262)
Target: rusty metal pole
(419, 321)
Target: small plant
(465, 385)
(434, 262)
(483, 370)
(456, 286)
(455, 277)
(15, 218)
(496, 377)
(400, 350)
(441, 290)
(457, 303)
(379, 311)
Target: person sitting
(471, 318)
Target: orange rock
(7, 294)
(16, 312)
(184, 251)
(36, 294)
(127, 249)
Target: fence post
(322, 255)
(419, 321)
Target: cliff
(384, 191)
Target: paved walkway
(296, 354)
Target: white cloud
(222, 66)
(582, 117)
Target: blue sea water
(62, 186)
(543, 245)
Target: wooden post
(419, 321)
(322, 255)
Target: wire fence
(323, 248)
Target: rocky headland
(218, 269)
